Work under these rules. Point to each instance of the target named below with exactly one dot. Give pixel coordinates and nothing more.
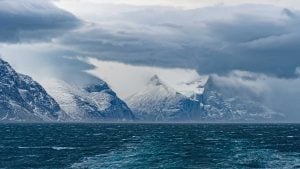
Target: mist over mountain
(213, 100)
(24, 100)
(223, 102)
(219, 102)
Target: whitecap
(41, 147)
(47, 147)
(63, 148)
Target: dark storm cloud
(259, 44)
(258, 38)
(33, 20)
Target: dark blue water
(149, 146)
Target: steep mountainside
(23, 99)
(159, 102)
(227, 103)
(202, 100)
(91, 103)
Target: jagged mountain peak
(156, 89)
(160, 102)
(155, 80)
(6, 69)
(96, 87)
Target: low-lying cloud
(280, 94)
(126, 79)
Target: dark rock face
(113, 108)
(97, 87)
(23, 99)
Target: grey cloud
(33, 20)
(258, 38)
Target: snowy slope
(93, 102)
(192, 88)
(23, 99)
(204, 99)
(159, 102)
(227, 103)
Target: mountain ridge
(89, 103)
(23, 99)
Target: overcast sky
(259, 37)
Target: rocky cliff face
(23, 99)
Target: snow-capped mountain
(205, 99)
(159, 102)
(89, 103)
(23, 99)
(227, 103)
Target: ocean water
(139, 146)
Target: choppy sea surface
(138, 146)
